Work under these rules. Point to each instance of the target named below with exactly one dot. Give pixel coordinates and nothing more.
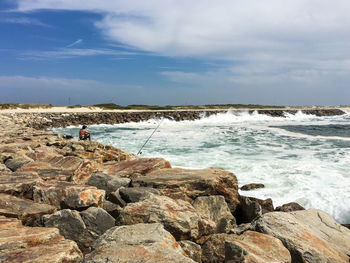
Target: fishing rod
(150, 136)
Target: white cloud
(77, 42)
(24, 21)
(64, 53)
(264, 42)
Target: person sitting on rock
(84, 134)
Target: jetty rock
(310, 235)
(189, 184)
(28, 211)
(24, 244)
(137, 243)
(249, 247)
(77, 193)
(177, 216)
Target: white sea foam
(310, 170)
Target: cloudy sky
(160, 52)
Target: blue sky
(172, 52)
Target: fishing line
(150, 136)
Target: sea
(300, 158)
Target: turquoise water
(301, 158)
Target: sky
(175, 52)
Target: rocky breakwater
(70, 201)
(51, 120)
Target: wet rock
(178, 217)
(17, 162)
(215, 209)
(248, 187)
(266, 205)
(136, 194)
(255, 247)
(25, 210)
(35, 244)
(309, 235)
(107, 182)
(289, 207)
(136, 167)
(67, 195)
(248, 210)
(188, 184)
(18, 183)
(192, 250)
(137, 243)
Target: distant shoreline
(66, 109)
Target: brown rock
(34, 244)
(249, 247)
(137, 244)
(189, 184)
(266, 205)
(18, 183)
(254, 247)
(67, 195)
(215, 209)
(27, 211)
(248, 187)
(84, 172)
(289, 207)
(136, 167)
(17, 162)
(309, 235)
(177, 216)
(192, 250)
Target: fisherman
(84, 134)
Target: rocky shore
(63, 200)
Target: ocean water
(300, 158)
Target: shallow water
(301, 158)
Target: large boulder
(178, 217)
(215, 209)
(26, 210)
(310, 235)
(136, 167)
(107, 182)
(18, 183)
(82, 227)
(35, 244)
(71, 226)
(136, 194)
(67, 195)
(137, 243)
(97, 220)
(249, 247)
(254, 247)
(188, 184)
